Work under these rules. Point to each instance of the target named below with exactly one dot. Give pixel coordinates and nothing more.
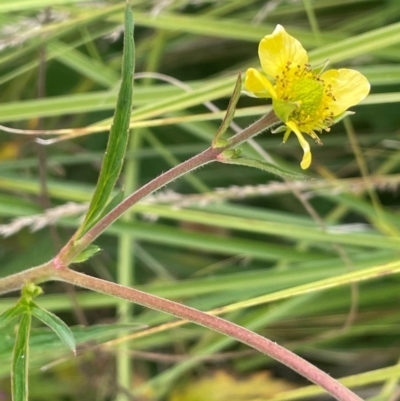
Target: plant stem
(73, 247)
(57, 269)
(215, 323)
(264, 123)
(37, 274)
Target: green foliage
(12, 313)
(230, 113)
(119, 133)
(56, 324)
(25, 309)
(19, 367)
(86, 254)
(262, 165)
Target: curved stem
(50, 271)
(37, 274)
(215, 323)
(57, 270)
(77, 245)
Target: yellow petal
(258, 84)
(348, 87)
(276, 50)
(307, 157)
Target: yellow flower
(306, 100)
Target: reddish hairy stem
(17, 281)
(215, 323)
(57, 270)
(75, 246)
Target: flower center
(308, 96)
(308, 92)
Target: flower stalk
(47, 272)
(304, 101)
(57, 269)
(74, 247)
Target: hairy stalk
(57, 269)
(49, 271)
(17, 281)
(215, 323)
(73, 247)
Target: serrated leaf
(86, 254)
(19, 372)
(265, 166)
(230, 112)
(10, 314)
(57, 325)
(119, 133)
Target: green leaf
(230, 112)
(19, 373)
(262, 165)
(119, 134)
(116, 200)
(23, 306)
(86, 254)
(57, 325)
(10, 314)
(43, 340)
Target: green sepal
(230, 112)
(86, 254)
(340, 117)
(320, 68)
(278, 130)
(283, 109)
(56, 324)
(265, 166)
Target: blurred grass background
(221, 235)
